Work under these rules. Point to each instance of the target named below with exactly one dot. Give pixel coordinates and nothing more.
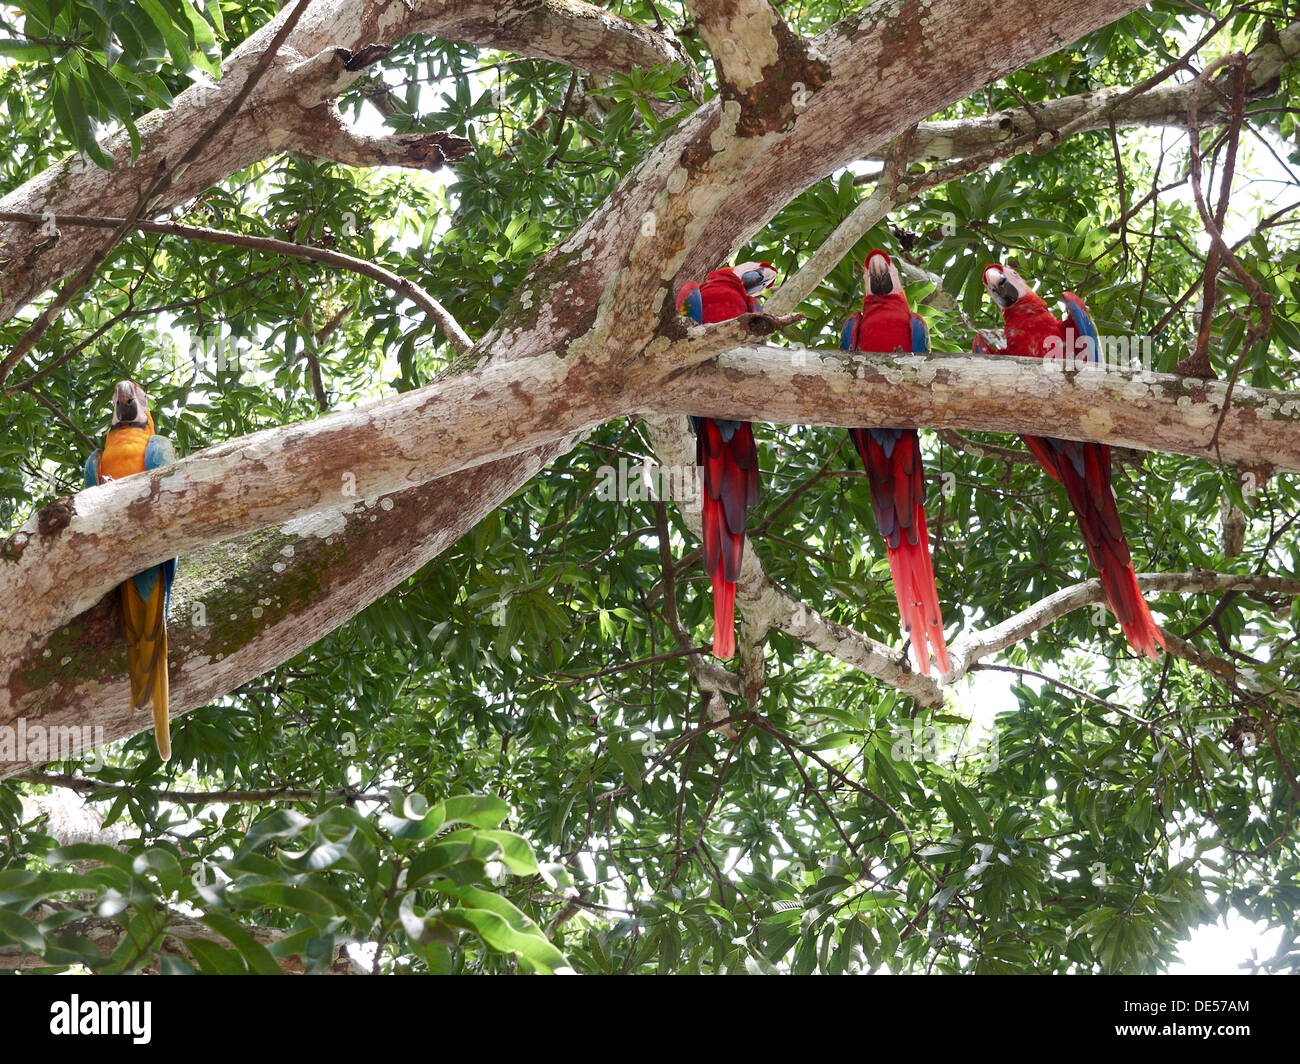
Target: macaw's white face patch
(881, 275)
(130, 404)
(755, 276)
(1005, 285)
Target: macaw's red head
(755, 276)
(130, 405)
(1005, 285)
(881, 275)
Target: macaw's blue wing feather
(887, 438)
(92, 470)
(695, 306)
(849, 332)
(690, 302)
(1072, 451)
(1083, 325)
(920, 336)
(144, 582)
(158, 452)
(169, 577)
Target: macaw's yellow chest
(123, 452)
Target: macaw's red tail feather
(1044, 455)
(724, 616)
(1126, 600)
(1084, 469)
(730, 486)
(722, 553)
(892, 459)
(918, 598)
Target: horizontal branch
(504, 408)
(1232, 674)
(974, 646)
(1127, 408)
(1162, 106)
(332, 139)
(102, 789)
(703, 342)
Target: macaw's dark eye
(754, 281)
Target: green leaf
(516, 854)
(26, 51)
(255, 955)
(177, 43)
(288, 896)
(15, 928)
(480, 810)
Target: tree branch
(323, 134)
(1140, 105)
(403, 286)
(971, 647)
(50, 569)
(282, 108)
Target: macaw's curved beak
(879, 282)
(1004, 293)
(756, 276)
(125, 408)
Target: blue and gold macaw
(131, 446)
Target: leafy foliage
(1083, 815)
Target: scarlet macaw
(892, 459)
(1083, 468)
(132, 447)
(725, 450)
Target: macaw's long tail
(725, 451)
(892, 458)
(145, 625)
(1084, 469)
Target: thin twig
(85, 785)
(403, 286)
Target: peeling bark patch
(14, 546)
(363, 57)
(55, 517)
(521, 393)
(784, 88)
(904, 34)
